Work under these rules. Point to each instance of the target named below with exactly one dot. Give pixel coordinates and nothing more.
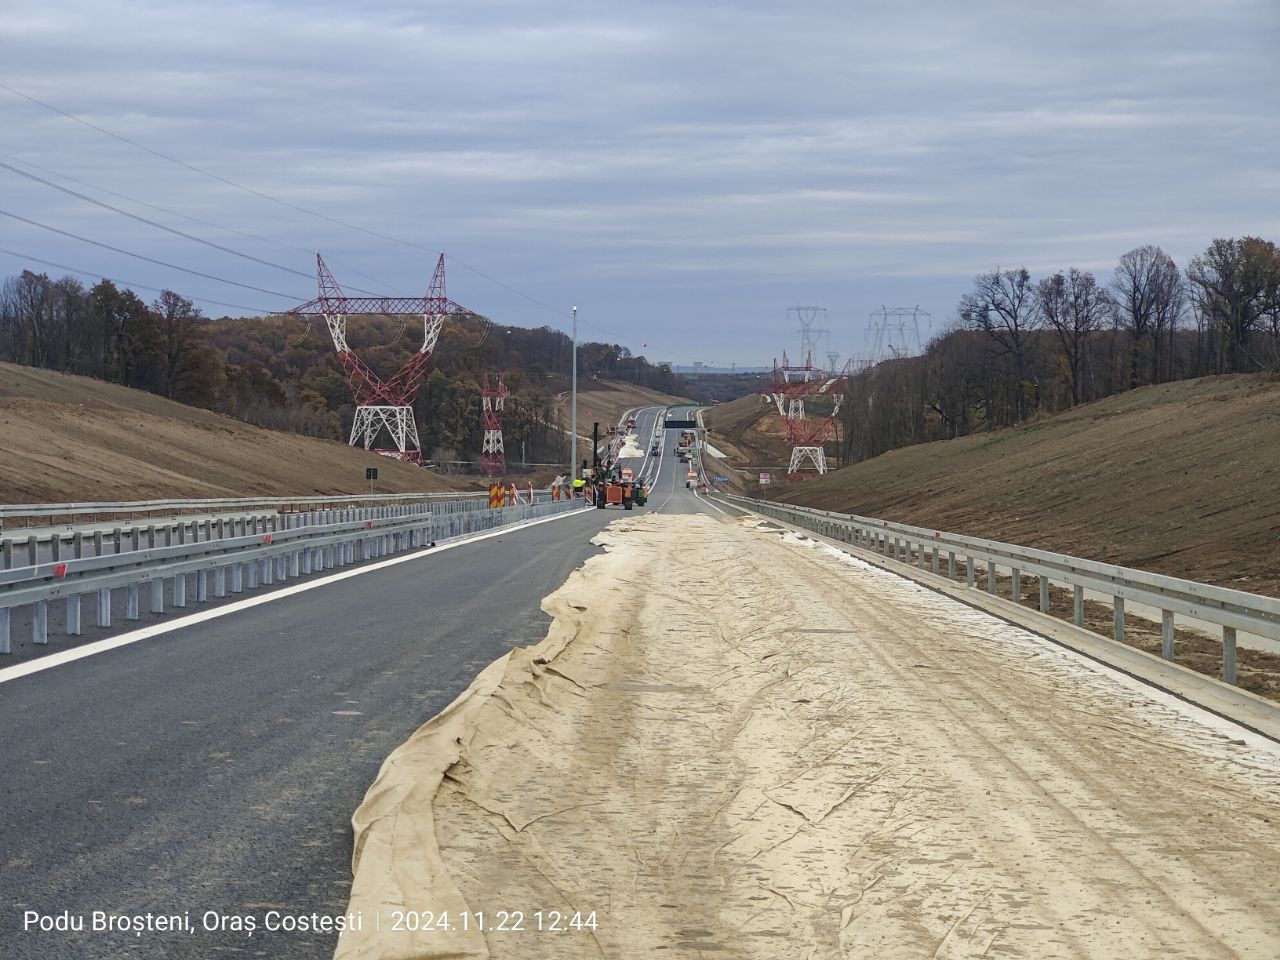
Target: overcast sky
(683, 172)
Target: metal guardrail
(1232, 610)
(27, 546)
(260, 557)
(177, 507)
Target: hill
(69, 438)
(1178, 478)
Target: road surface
(215, 768)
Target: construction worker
(579, 485)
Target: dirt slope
(750, 432)
(68, 438)
(1179, 478)
(607, 400)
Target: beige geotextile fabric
(735, 743)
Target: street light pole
(573, 417)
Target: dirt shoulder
(67, 438)
(1178, 478)
(791, 754)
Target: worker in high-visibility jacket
(579, 485)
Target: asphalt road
(215, 768)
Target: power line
(203, 223)
(139, 256)
(124, 283)
(301, 209)
(149, 222)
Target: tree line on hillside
(1022, 347)
(282, 372)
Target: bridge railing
(928, 549)
(242, 560)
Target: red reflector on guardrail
(368, 524)
(59, 569)
(266, 538)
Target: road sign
(371, 473)
(765, 478)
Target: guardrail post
(1166, 634)
(33, 550)
(104, 607)
(252, 570)
(132, 604)
(73, 615)
(237, 578)
(991, 577)
(77, 545)
(168, 535)
(1117, 619)
(220, 582)
(6, 645)
(1229, 654)
(180, 590)
(951, 564)
(55, 547)
(40, 622)
(920, 553)
(157, 596)
(935, 561)
(295, 564)
(7, 554)
(202, 586)
(1016, 576)
(1077, 607)
(97, 543)
(1044, 594)
(968, 572)
(117, 539)
(151, 537)
(268, 571)
(182, 534)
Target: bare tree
(1236, 285)
(1003, 306)
(1075, 307)
(1148, 292)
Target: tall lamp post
(573, 416)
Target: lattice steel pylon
(806, 321)
(492, 400)
(791, 386)
(383, 405)
(894, 333)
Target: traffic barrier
(1230, 610)
(252, 557)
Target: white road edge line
(101, 646)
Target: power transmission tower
(383, 405)
(492, 401)
(807, 321)
(894, 333)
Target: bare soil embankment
(605, 401)
(67, 438)
(1179, 478)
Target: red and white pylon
(791, 385)
(492, 401)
